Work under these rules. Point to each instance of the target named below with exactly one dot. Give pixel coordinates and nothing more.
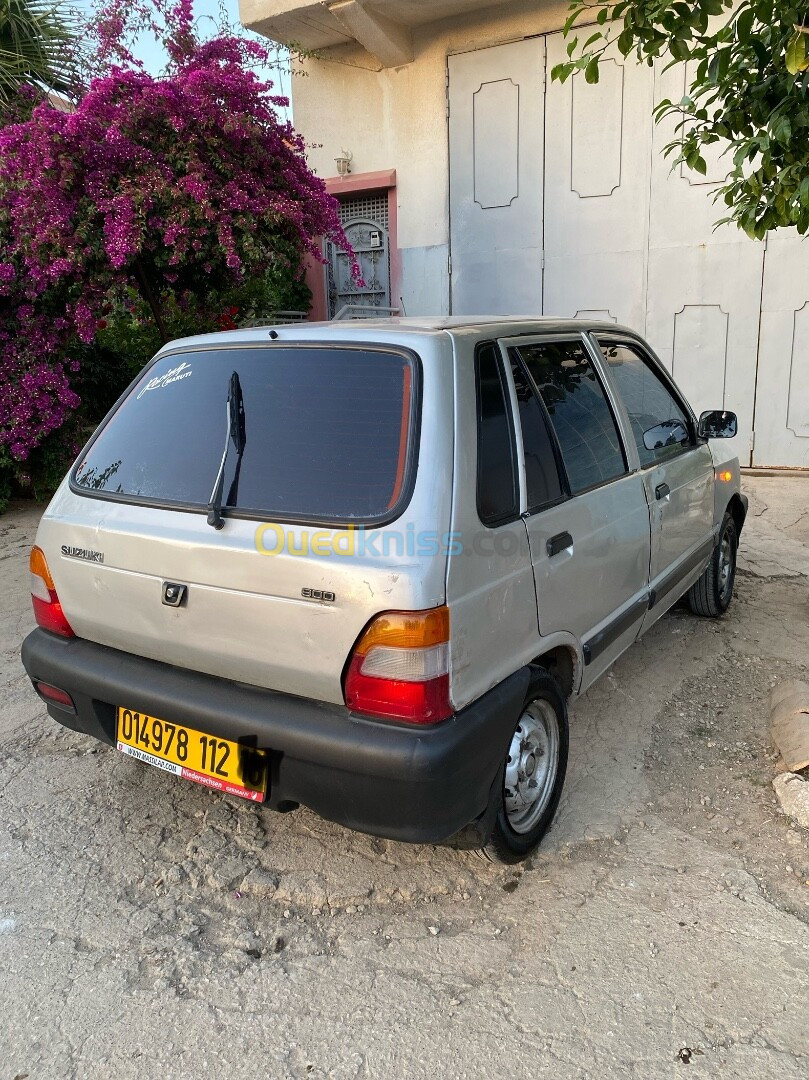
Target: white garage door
(622, 237)
(496, 149)
(782, 398)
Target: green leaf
(760, 49)
(571, 45)
(796, 57)
(782, 129)
(744, 24)
(591, 71)
(590, 40)
(626, 40)
(571, 20)
(601, 18)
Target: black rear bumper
(418, 784)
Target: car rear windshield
(328, 433)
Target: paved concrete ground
(150, 928)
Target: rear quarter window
(330, 433)
(497, 495)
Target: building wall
(396, 119)
(602, 227)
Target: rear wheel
(533, 773)
(711, 595)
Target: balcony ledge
(382, 27)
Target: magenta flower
(159, 185)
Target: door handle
(558, 543)
(662, 491)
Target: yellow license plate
(217, 763)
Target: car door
(586, 513)
(676, 466)
(490, 585)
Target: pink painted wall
(351, 185)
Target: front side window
(327, 433)
(659, 424)
(579, 411)
(497, 475)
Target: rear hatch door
(278, 595)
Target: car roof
(377, 329)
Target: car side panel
(679, 492)
(490, 584)
(682, 523)
(597, 588)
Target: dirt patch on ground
(152, 928)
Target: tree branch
(148, 295)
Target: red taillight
(47, 609)
(399, 668)
(54, 694)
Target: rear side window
(329, 433)
(579, 411)
(543, 485)
(497, 475)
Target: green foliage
(37, 47)
(749, 65)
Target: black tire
(710, 596)
(508, 844)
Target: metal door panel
(682, 526)
(704, 283)
(591, 585)
(597, 189)
(496, 168)
(594, 588)
(679, 489)
(782, 398)
(683, 520)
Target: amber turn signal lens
(725, 476)
(406, 630)
(47, 609)
(38, 566)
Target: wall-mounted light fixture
(343, 162)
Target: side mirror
(718, 424)
(669, 433)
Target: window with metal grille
(373, 207)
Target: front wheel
(533, 773)
(711, 594)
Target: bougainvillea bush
(152, 198)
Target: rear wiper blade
(236, 433)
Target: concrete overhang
(382, 27)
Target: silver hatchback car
(361, 567)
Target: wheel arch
(563, 663)
(738, 511)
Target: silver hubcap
(725, 565)
(531, 766)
